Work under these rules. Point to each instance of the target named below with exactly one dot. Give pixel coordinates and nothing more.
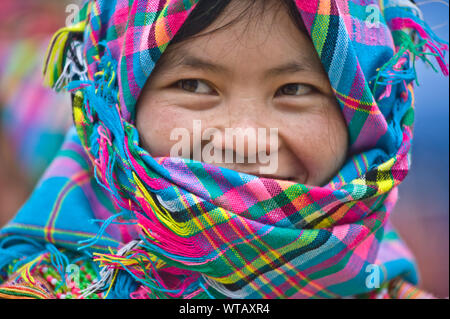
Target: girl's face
(261, 72)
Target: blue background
(422, 213)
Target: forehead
(258, 33)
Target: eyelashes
(197, 86)
(294, 89)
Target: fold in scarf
(179, 228)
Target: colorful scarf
(178, 228)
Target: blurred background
(33, 119)
(33, 122)
(422, 213)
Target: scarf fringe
(401, 68)
(108, 274)
(31, 269)
(161, 233)
(23, 255)
(64, 53)
(148, 271)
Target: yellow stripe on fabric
(20, 292)
(383, 185)
(230, 278)
(112, 282)
(262, 277)
(55, 52)
(311, 217)
(79, 118)
(302, 289)
(412, 94)
(358, 167)
(386, 184)
(241, 275)
(200, 220)
(204, 233)
(165, 217)
(286, 248)
(343, 98)
(366, 162)
(337, 215)
(197, 223)
(25, 272)
(381, 5)
(55, 58)
(279, 255)
(108, 259)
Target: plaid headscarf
(189, 229)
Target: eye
(294, 89)
(195, 86)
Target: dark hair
(207, 11)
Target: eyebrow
(198, 63)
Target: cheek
(320, 141)
(338, 133)
(155, 120)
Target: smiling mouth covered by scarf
(108, 220)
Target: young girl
(331, 80)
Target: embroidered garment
(177, 228)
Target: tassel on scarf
(64, 58)
(401, 68)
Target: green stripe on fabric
(319, 32)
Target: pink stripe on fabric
(309, 6)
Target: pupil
(190, 85)
(290, 89)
